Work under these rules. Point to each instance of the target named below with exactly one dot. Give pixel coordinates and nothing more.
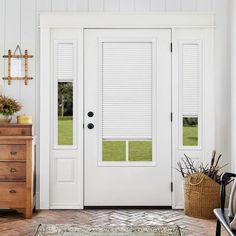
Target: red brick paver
(13, 224)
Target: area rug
(88, 230)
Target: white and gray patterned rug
(88, 230)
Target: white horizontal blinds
(191, 78)
(64, 60)
(127, 90)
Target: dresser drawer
(12, 194)
(16, 130)
(12, 152)
(12, 171)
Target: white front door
(127, 94)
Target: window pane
(114, 151)
(65, 113)
(140, 150)
(190, 131)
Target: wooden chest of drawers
(17, 168)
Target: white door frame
(83, 21)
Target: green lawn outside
(113, 151)
(140, 150)
(116, 150)
(65, 132)
(190, 136)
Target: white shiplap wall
(19, 25)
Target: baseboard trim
(129, 207)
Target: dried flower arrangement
(187, 167)
(8, 107)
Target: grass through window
(137, 150)
(190, 131)
(114, 151)
(140, 150)
(65, 131)
(65, 113)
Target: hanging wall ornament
(17, 65)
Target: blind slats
(64, 61)
(191, 78)
(127, 90)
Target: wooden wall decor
(17, 66)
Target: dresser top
(15, 125)
(17, 137)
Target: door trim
(127, 20)
(80, 22)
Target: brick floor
(12, 223)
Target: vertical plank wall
(19, 20)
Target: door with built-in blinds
(127, 152)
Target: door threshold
(129, 207)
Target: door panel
(66, 107)
(193, 100)
(128, 138)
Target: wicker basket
(201, 195)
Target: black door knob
(90, 114)
(90, 126)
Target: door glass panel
(190, 131)
(140, 150)
(191, 53)
(127, 91)
(114, 151)
(65, 113)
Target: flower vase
(5, 119)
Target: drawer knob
(12, 191)
(12, 170)
(13, 153)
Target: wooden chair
(222, 213)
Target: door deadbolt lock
(90, 114)
(90, 126)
